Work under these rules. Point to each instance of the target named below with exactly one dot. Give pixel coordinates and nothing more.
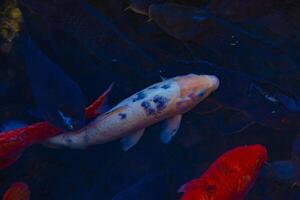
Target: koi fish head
(195, 88)
(249, 159)
(231, 176)
(257, 153)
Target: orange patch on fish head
(260, 154)
(257, 153)
(197, 86)
(251, 158)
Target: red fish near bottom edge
(14, 142)
(230, 177)
(17, 191)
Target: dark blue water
(253, 48)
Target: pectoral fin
(170, 128)
(163, 78)
(132, 139)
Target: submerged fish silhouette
(159, 185)
(281, 170)
(223, 42)
(59, 98)
(96, 37)
(142, 6)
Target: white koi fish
(166, 100)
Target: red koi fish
(230, 177)
(14, 142)
(17, 191)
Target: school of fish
(229, 177)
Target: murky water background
(252, 47)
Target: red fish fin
(188, 186)
(9, 159)
(95, 108)
(17, 191)
(12, 144)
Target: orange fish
(230, 177)
(17, 191)
(13, 143)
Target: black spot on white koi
(139, 96)
(201, 93)
(153, 87)
(161, 102)
(69, 141)
(148, 108)
(122, 115)
(166, 86)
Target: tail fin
(12, 144)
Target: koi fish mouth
(215, 82)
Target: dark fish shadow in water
(59, 99)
